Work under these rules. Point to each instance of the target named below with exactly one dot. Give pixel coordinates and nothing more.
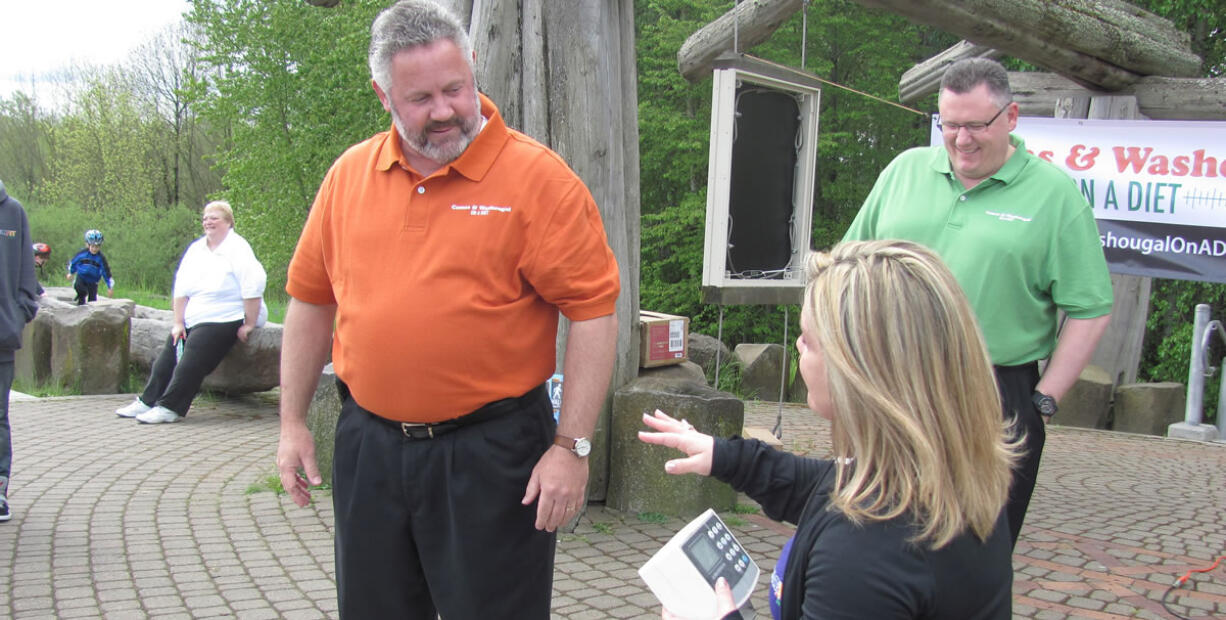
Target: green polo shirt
(1022, 243)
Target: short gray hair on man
(408, 24)
(967, 74)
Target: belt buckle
(406, 426)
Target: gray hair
(409, 24)
(967, 74)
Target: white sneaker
(158, 415)
(132, 410)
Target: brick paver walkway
(119, 520)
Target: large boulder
(89, 346)
(1149, 408)
(703, 349)
(252, 366)
(761, 366)
(1088, 403)
(32, 362)
(637, 481)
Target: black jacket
(840, 570)
(18, 284)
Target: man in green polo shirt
(1020, 238)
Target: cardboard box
(664, 339)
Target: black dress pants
(1017, 385)
(426, 526)
(173, 384)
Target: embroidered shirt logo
(7, 233)
(481, 209)
(1007, 217)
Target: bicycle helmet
(42, 249)
(93, 237)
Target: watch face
(1045, 404)
(582, 447)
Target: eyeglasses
(952, 128)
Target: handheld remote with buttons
(682, 574)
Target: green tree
(863, 49)
(289, 85)
(101, 149)
(25, 144)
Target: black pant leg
(378, 572)
(82, 291)
(481, 533)
(206, 345)
(468, 548)
(1016, 388)
(160, 373)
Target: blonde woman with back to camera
(905, 519)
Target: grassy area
(41, 391)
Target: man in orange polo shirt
(443, 250)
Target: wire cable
(1182, 580)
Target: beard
(450, 149)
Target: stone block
(1088, 403)
(32, 362)
(686, 371)
(148, 336)
(252, 366)
(1149, 408)
(89, 346)
(761, 365)
(324, 410)
(1195, 432)
(703, 350)
(799, 392)
(637, 481)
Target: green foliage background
(863, 49)
(291, 87)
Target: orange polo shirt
(448, 288)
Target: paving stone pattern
(113, 519)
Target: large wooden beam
(925, 78)
(1157, 97)
(746, 25)
(1105, 45)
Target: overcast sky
(38, 37)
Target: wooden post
(1119, 351)
(576, 92)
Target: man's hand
(558, 485)
(296, 451)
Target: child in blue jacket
(90, 266)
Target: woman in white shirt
(218, 300)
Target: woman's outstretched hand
(681, 435)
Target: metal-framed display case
(759, 182)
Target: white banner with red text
(1158, 189)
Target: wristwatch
(580, 445)
(1044, 404)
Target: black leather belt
(496, 409)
